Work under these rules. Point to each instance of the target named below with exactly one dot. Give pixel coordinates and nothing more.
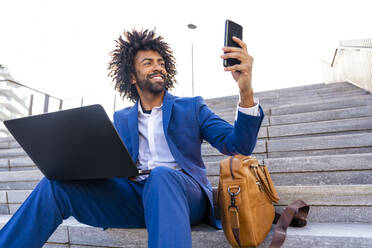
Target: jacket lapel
(167, 110)
(133, 130)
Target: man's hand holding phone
(242, 73)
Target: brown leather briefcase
(245, 198)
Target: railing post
(31, 104)
(82, 102)
(334, 57)
(114, 102)
(46, 103)
(60, 104)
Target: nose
(158, 67)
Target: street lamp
(192, 27)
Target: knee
(161, 180)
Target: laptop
(74, 144)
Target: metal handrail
(62, 102)
(46, 96)
(355, 48)
(28, 87)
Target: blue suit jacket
(186, 122)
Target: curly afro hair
(121, 66)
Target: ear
(132, 79)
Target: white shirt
(153, 148)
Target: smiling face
(151, 74)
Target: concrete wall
(353, 62)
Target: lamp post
(192, 27)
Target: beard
(147, 85)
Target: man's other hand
(242, 73)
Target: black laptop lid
(73, 144)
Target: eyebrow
(151, 59)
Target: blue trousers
(167, 203)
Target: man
(163, 133)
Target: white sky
(61, 47)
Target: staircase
(317, 143)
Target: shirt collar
(140, 110)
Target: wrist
(246, 99)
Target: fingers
(238, 68)
(231, 68)
(245, 65)
(239, 53)
(232, 49)
(233, 55)
(245, 59)
(240, 42)
(236, 52)
(242, 45)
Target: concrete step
(12, 152)
(6, 139)
(267, 98)
(8, 144)
(321, 127)
(312, 87)
(73, 234)
(3, 130)
(337, 114)
(315, 89)
(15, 164)
(328, 235)
(317, 170)
(311, 97)
(19, 180)
(339, 89)
(341, 162)
(356, 101)
(208, 150)
(307, 146)
(303, 105)
(309, 87)
(327, 195)
(331, 203)
(262, 94)
(312, 146)
(269, 103)
(10, 200)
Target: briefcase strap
(293, 215)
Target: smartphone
(232, 29)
